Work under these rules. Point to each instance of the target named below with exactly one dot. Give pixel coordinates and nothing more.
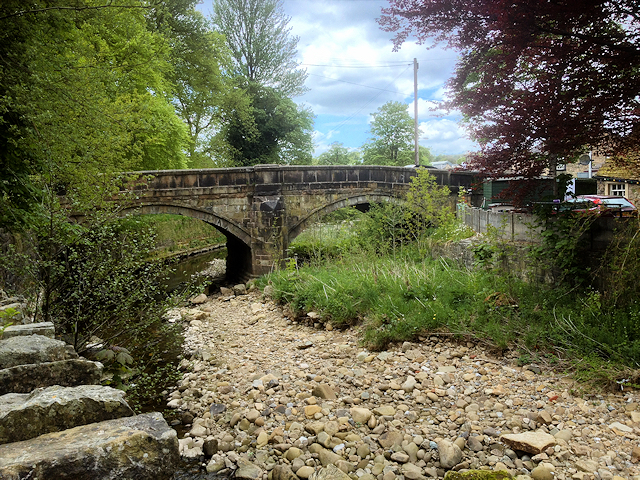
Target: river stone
(248, 471)
(543, 471)
(385, 410)
(240, 289)
(217, 408)
(141, 447)
(474, 444)
(292, 453)
(450, 454)
(66, 373)
(327, 457)
(25, 416)
(411, 471)
(331, 472)
(409, 384)
(282, 472)
(33, 349)
(46, 329)
(323, 391)
(400, 457)
(530, 442)
(391, 438)
(360, 415)
(305, 472)
(202, 298)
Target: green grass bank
(355, 272)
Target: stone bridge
(261, 209)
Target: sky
(352, 71)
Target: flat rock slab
(22, 350)
(26, 416)
(66, 373)
(530, 442)
(45, 329)
(141, 447)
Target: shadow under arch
(239, 265)
(361, 202)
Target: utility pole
(415, 110)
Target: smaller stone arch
(239, 258)
(317, 214)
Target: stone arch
(239, 258)
(318, 213)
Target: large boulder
(42, 328)
(22, 350)
(25, 416)
(141, 447)
(66, 373)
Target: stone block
(141, 447)
(33, 349)
(66, 373)
(45, 329)
(52, 409)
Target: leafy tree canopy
(203, 85)
(271, 129)
(392, 136)
(338, 154)
(261, 44)
(536, 80)
(83, 91)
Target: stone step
(23, 350)
(52, 409)
(66, 373)
(42, 328)
(141, 447)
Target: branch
(602, 42)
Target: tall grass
(403, 293)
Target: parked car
(605, 205)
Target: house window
(618, 189)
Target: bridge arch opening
(238, 241)
(360, 202)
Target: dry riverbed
(267, 397)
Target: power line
(358, 84)
(332, 65)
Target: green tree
(278, 131)
(338, 154)
(203, 87)
(425, 155)
(268, 127)
(392, 136)
(83, 93)
(428, 201)
(258, 35)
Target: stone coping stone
(52, 409)
(43, 328)
(66, 373)
(142, 447)
(33, 349)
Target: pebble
(266, 396)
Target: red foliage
(537, 80)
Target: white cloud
(334, 37)
(445, 136)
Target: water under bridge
(261, 209)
